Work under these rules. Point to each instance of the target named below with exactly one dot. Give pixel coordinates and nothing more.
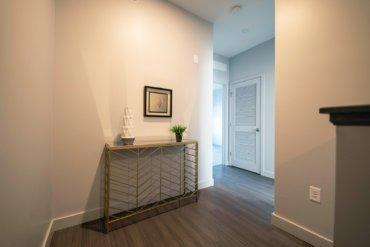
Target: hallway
(235, 212)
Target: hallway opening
(244, 89)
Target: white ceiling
(256, 16)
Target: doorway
(217, 126)
(250, 78)
(220, 132)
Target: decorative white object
(128, 126)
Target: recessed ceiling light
(235, 9)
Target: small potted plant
(179, 131)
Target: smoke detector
(236, 9)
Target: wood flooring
(235, 212)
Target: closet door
(245, 117)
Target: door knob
(257, 130)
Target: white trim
(300, 232)
(263, 123)
(262, 109)
(267, 174)
(206, 183)
(47, 237)
(93, 214)
(227, 119)
(247, 78)
(264, 172)
(225, 123)
(76, 219)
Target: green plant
(178, 129)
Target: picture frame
(157, 102)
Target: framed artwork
(157, 102)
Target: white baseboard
(86, 216)
(206, 183)
(47, 237)
(268, 174)
(68, 221)
(300, 232)
(76, 219)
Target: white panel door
(245, 121)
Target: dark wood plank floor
(235, 212)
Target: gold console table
(148, 178)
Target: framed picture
(157, 102)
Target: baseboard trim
(47, 237)
(300, 232)
(206, 183)
(267, 174)
(86, 216)
(76, 219)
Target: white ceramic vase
(127, 129)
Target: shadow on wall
(96, 194)
(82, 111)
(92, 218)
(293, 201)
(78, 136)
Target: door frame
(225, 119)
(262, 115)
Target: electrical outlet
(315, 194)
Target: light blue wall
(220, 76)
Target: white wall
(26, 77)
(106, 51)
(260, 60)
(322, 59)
